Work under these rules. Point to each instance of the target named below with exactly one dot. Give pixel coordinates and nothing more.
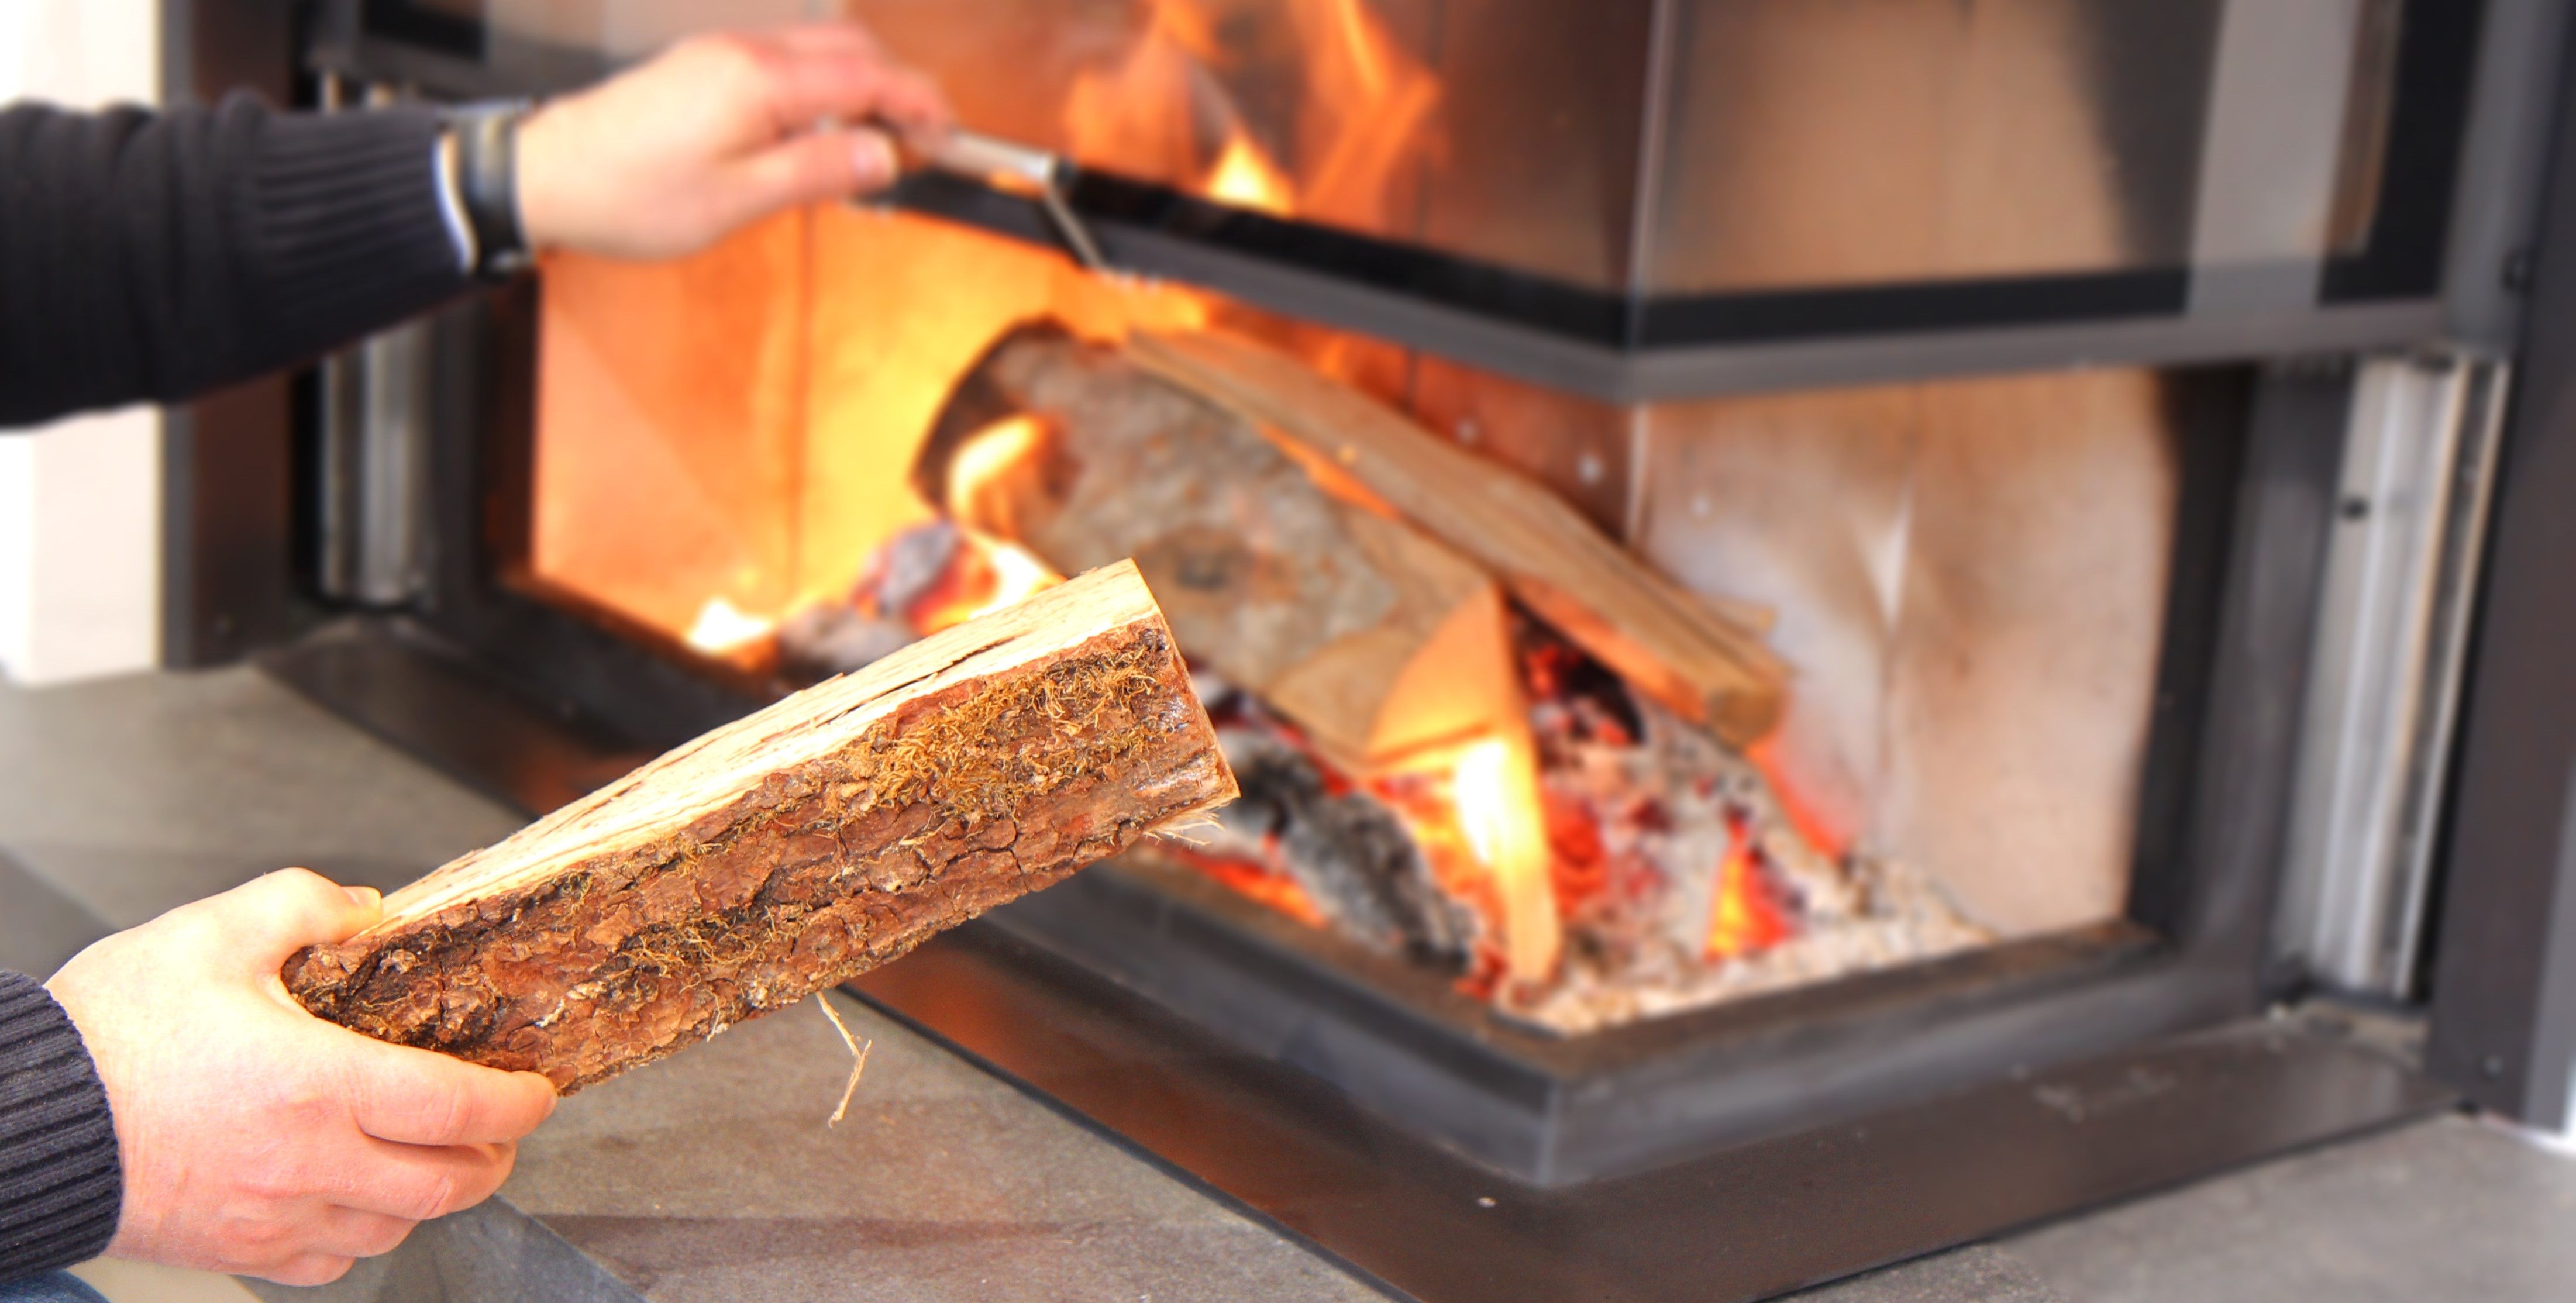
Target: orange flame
(986, 575)
(1742, 918)
(1164, 111)
(1244, 178)
(1495, 788)
(984, 458)
(723, 629)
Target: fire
(987, 575)
(1826, 835)
(988, 572)
(1742, 919)
(984, 458)
(1245, 179)
(1495, 788)
(1016, 575)
(722, 628)
(1169, 109)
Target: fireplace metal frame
(2475, 86)
(2257, 506)
(2501, 981)
(2261, 454)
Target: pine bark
(794, 849)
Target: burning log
(793, 849)
(1673, 646)
(1353, 625)
(1350, 854)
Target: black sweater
(59, 1177)
(153, 257)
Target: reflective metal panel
(2418, 465)
(1971, 578)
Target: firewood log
(793, 849)
(1331, 613)
(1676, 647)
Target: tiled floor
(119, 800)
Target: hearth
(1780, 578)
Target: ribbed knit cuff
(61, 1186)
(346, 211)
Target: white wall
(80, 502)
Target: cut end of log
(795, 849)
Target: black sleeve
(61, 1185)
(156, 256)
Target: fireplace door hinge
(2383, 688)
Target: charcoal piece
(1352, 856)
(909, 566)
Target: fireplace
(1783, 580)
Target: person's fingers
(814, 168)
(354, 1233)
(270, 918)
(415, 1097)
(825, 37)
(806, 88)
(366, 898)
(420, 1183)
(308, 1270)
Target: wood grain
(793, 849)
(1326, 610)
(1684, 651)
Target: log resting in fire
(794, 849)
(1346, 850)
(1359, 628)
(1683, 651)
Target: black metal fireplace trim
(1621, 347)
(1749, 1222)
(2258, 464)
(1551, 1112)
(2258, 467)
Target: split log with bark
(1691, 654)
(1375, 638)
(794, 849)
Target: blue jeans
(57, 1287)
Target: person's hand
(716, 132)
(256, 1138)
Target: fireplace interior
(1760, 565)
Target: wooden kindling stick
(794, 849)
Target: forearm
(60, 1182)
(153, 257)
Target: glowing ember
(1600, 862)
(1741, 919)
(722, 629)
(1495, 788)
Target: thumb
(272, 917)
(817, 167)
